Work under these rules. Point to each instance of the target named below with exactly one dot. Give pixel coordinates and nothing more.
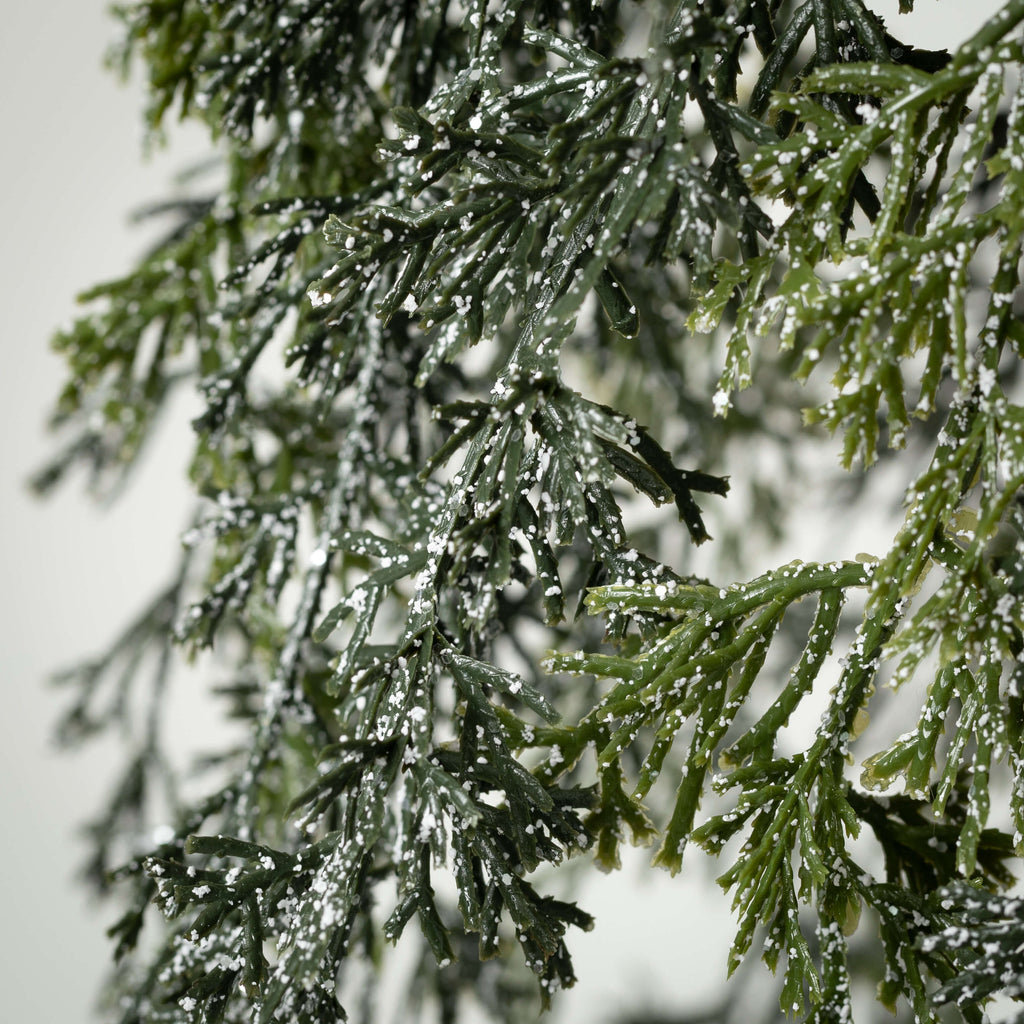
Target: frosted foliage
(483, 306)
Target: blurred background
(76, 570)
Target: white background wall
(72, 573)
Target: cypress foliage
(471, 293)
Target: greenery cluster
(469, 292)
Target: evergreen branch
(442, 223)
(984, 941)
